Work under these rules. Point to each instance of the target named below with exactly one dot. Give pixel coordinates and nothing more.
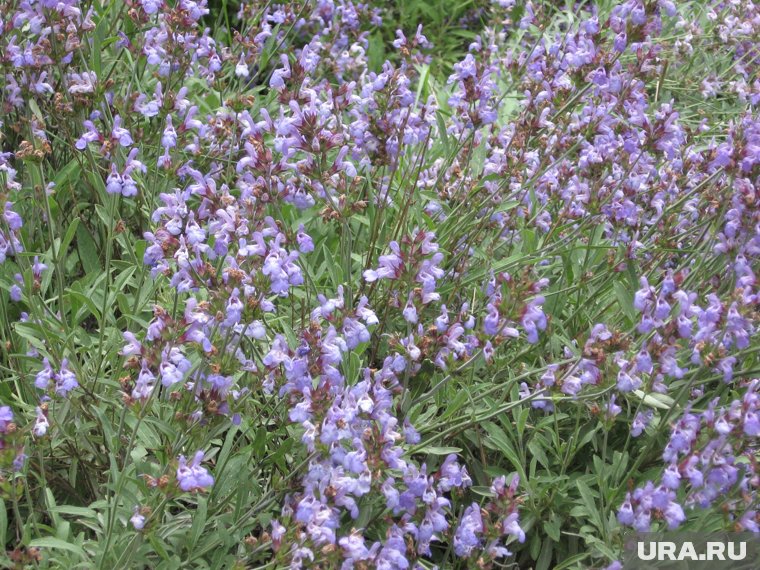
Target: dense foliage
(281, 286)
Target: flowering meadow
(401, 285)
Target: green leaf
(65, 174)
(53, 542)
(536, 448)
(424, 72)
(199, 519)
(499, 439)
(158, 545)
(442, 133)
(589, 502)
(572, 560)
(35, 109)
(86, 301)
(552, 527)
(545, 559)
(63, 246)
(482, 490)
(75, 511)
(625, 300)
(654, 400)
(3, 522)
(434, 450)
(88, 251)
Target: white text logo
(712, 551)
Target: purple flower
(410, 312)
(390, 265)
(305, 243)
(137, 519)
(640, 422)
(627, 383)
(626, 515)
(19, 461)
(133, 346)
(534, 319)
(193, 477)
(6, 417)
(44, 376)
(279, 75)
(120, 134)
(453, 475)
(114, 182)
(91, 135)
(15, 291)
(65, 379)
(752, 423)
(151, 7)
(169, 136)
(464, 69)
(411, 435)
(674, 515)
(671, 478)
(354, 548)
(38, 267)
(511, 526)
(491, 321)
(278, 531)
(41, 424)
(466, 538)
(144, 384)
(612, 408)
(174, 366)
(12, 218)
(241, 69)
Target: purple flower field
(401, 285)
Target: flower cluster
(296, 241)
(709, 455)
(482, 530)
